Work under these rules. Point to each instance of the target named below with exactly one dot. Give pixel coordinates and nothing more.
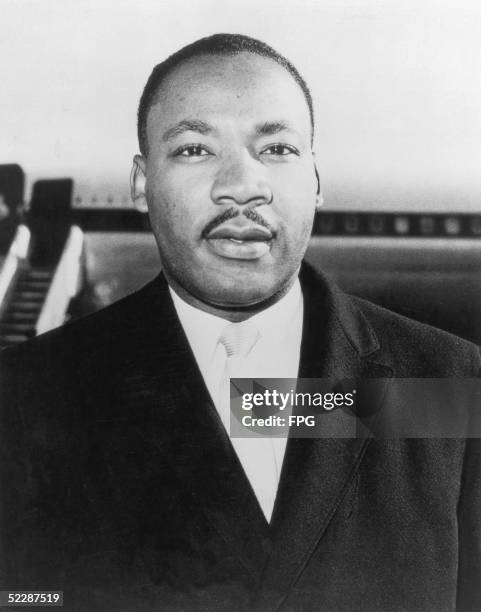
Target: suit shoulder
(420, 349)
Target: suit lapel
(163, 375)
(316, 474)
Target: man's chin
(243, 289)
(237, 301)
(244, 295)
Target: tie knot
(238, 339)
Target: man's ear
(319, 197)
(137, 183)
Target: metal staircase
(36, 267)
(25, 301)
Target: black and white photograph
(240, 305)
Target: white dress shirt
(275, 354)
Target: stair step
(8, 339)
(23, 306)
(31, 296)
(33, 274)
(16, 328)
(32, 284)
(12, 316)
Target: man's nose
(241, 180)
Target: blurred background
(395, 82)
(397, 92)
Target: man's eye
(194, 150)
(281, 150)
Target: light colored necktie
(238, 339)
(256, 453)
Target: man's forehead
(245, 85)
(244, 68)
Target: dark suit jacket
(120, 486)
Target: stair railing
(17, 253)
(65, 283)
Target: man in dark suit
(119, 482)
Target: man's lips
(246, 241)
(241, 233)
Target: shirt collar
(204, 329)
(278, 317)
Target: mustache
(233, 212)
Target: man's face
(229, 178)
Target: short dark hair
(218, 44)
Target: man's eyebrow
(187, 125)
(272, 127)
